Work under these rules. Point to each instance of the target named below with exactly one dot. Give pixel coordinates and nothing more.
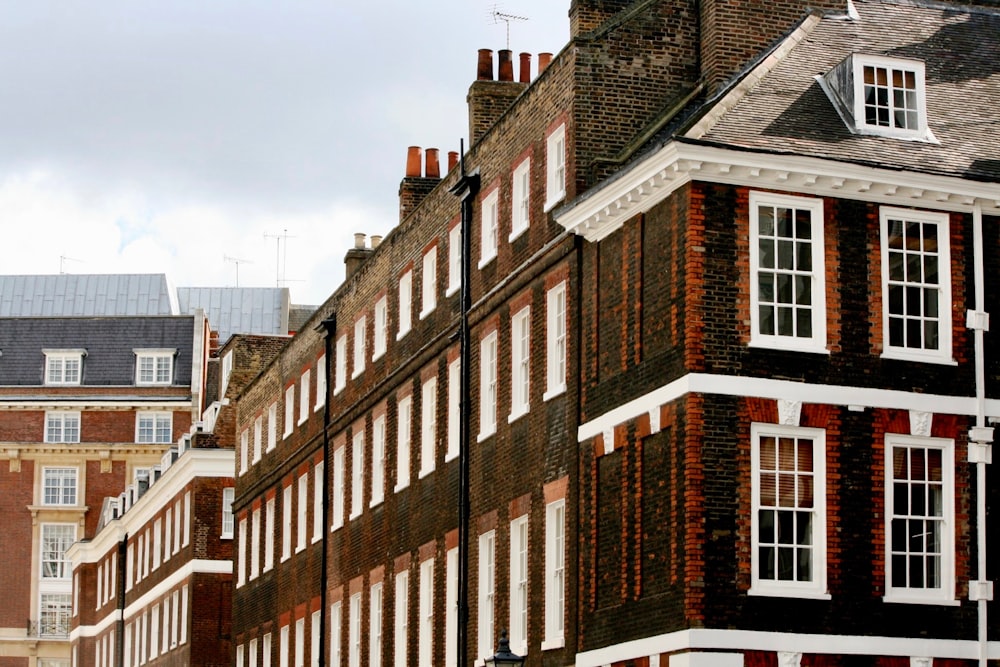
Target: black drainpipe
(329, 326)
(466, 188)
(120, 601)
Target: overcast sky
(163, 136)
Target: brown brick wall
(15, 542)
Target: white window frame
(378, 461)
(337, 507)
(454, 259)
(320, 383)
(265, 651)
(556, 341)
(520, 364)
(360, 327)
(486, 623)
(300, 514)
(520, 199)
(244, 451)
(425, 634)
(454, 408)
(300, 642)
(488, 385)
(340, 367)
(336, 649)
(228, 495)
(405, 304)
(56, 479)
(920, 131)
(489, 228)
(254, 544)
(381, 333)
(357, 473)
(304, 382)
(272, 426)
(943, 353)
(428, 426)
(283, 646)
(161, 372)
(375, 625)
(354, 631)
(404, 434)
(816, 588)
(816, 342)
(258, 436)
(286, 523)
(555, 575)
(55, 566)
(315, 630)
(555, 167)
(241, 563)
(945, 593)
(269, 529)
(317, 523)
(451, 606)
(519, 582)
(252, 653)
(154, 424)
(401, 615)
(64, 367)
(428, 282)
(289, 410)
(67, 421)
(227, 371)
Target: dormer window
(153, 367)
(877, 95)
(63, 366)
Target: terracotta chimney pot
(543, 61)
(433, 166)
(452, 159)
(485, 69)
(506, 65)
(525, 68)
(413, 162)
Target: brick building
(88, 405)
(683, 377)
(153, 586)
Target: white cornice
(656, 177)
(54, 402)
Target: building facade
(89, 405)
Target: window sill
(551, 203)
(399, 487)
(902, 355)
(402, 334)
(452, 289)
(451, 456)
(316, 538)
(299, 549)
(515, 233)
(337, 390)
(787, 346)
(425, 313)
(285, 558)
(284, 436)
(424, 473)
(318, 407)
(776, 592)
(550, 644)
(357, 374)
(552, 393)
(514, 416)
(485, 436)
(335, 527)
(378, 355)
(914, 599)
(226, 536)
(485, 261)
(353, 515)
(302, 420)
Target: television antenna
(498, 15)
(280, 258)
(237, 261)
(62, 262)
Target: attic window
(877, 95)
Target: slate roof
(109, 343)
(788, 112)
(75, 295)
(248, 310)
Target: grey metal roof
(85, 295)
(109, 342)
(788, 112)
(249, 310)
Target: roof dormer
(879, 95)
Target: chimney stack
(416, 184)
(356, 256)
(489, 99)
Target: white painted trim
(94, 630)
(176, 578)
(750, 640)
(88, 403)
(824, 394)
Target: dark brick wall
(15, 542)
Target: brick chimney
(356, 256)
(587, 15)
(417, 184)
(489, 99)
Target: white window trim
(943, 355)
(244, 450)
(354, 631)
(375, 599)
(555, 383)
(451, 606)
(336, 647)
(269, 530)
(428, 282)
(454, 259)
(357, 474)
(302, 503)
(378, 461)
(272, 426)
(381, 323)
(405, 304)
(555, 614)
(816, 589)
(60, 486)
(520, 364)
(555, 189)
(859, 62)
(337, 506)
(228, 494)
(286, 523)
(340, 367)
(360, 331)
(241, 561)
(489, 226)
(428, 427)
(258, 436)
(304, 382)
(519, 224)
(945, 595)
(63, 415)
(488, 409)
(289, 410)
(156, 354)
(63, 356)
(454, 406)
(519, 606)
(255, 543)
(817, 342)
(404, 442)
(401, 613)
(320, 383)
(425, 624)
(156, 417)
(486, 599)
